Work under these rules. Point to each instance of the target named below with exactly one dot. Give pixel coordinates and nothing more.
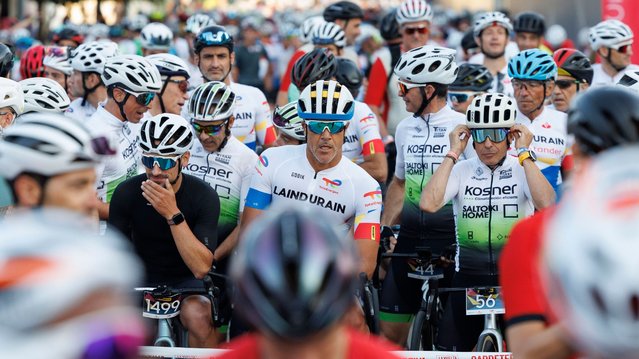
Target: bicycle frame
(490, 329)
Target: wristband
(453, 156)
(521, 150)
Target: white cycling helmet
(308, 28)
(91, 56)
(413, 11)
(156, 36)
(57, 58)
(491, 110)
(48, 144)
(630, 80)
(196, 22)
(133, 73)
(288, 121)
(169, 65)
(211, 101)
(11, 95)
(137, 22)
(326, 101)
(610, 33)
(44, 95)
(166, 134)
(590, 254)
(556, 35)
(488, 19)
(329, 33)
(427, 64)
(98, 31)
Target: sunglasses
(183, 85)
(623, 49)
(526, 84)
(333, 127)
(210, 130)
(495, 134)
(405, 87)
(564, 84)
(460, 97)
(411, 30)
(143, 99)
(162, 162)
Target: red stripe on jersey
(368, 231)
(372, 147)
(270, 135)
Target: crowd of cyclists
(282, 152)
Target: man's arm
(542, 193)
(248, 216)
(532, 340)
(393, 202)
(376, 166)
(103, 210)
(226, 247)
(366, 227)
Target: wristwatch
(176, 219)
(527, 154)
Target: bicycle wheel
(421, 333)
(487, 344)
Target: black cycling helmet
(293, 275)
(6, 60)
(573, 63)
(349, 75)
(319, 64)
(472, 77)
(212, 36)
(530, 22)
(468, 41)
(345, 10)
(389, 27)
(67, 33)
(604, 117)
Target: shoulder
(246, 90)
(360, 178)
(275, 156)
(132, 185)
(197, 185)
(456, 118)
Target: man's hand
(523, 136)
(459, 137)
(161, 198)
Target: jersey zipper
(490, 218)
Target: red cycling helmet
(31, 62)
(572, 62)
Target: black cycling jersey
(149, 232)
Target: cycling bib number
(161, 306)
(480, 301)
(427, 272)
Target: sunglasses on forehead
(333, 127)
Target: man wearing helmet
(600, 119)
(156, 38)
(574, 75)
(424, 74)
(226, 165)
(175, 83)
(533, 73)
(215, 58)
(288, 124)
(132, 82)
(85, 84)
(472, 80)
(67, 36)
(194, 24)
(348, 16)
(492, 180)
(612, 40)
(57, 66)
(290, 322)
(44, 95)
(176, 234)
(6, 61)
(530, 28)
(11, 102)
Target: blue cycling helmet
(533, 64)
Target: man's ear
(185, 158)
(28, 191)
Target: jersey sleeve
(368, 131)
(377, 81)
(264, 122)
(286, 78)
(205, 227)
(367, 211)
(452, 187)
(249, 170)
(260, 195)
(400, 166)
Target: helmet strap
(227, 132)
(162, 93)
(608, 58)
(177, 178)
(87, 91)
(425, 101)
(121, 105)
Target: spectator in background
(529, 30)
(252, 65)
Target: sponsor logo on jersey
(225, 159)
(416, 168)
(549, 140)
(439, 132)
(418, 129)
(130, 150)
(426, 148)
(261, 164)
(264, 161)
(490, 191)
(311, 198)
(374, 194)
(503, 174)
(297, 175)
(218, 172)
(332, 183)
(126, 128)
(244, 116)
(478, 211)
(70, 110)
(546, 125)
(479, 171)
(367, 119)
(350, 139)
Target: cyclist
(630, 81)
(424, 75)
(57, 66)
(85, 85)
(574, 74)
(348, 16)
(31, 62)
(600, 119)
(492, 31)
(612, 40)
(318, 64)
(593, 300)
(155, 38)
(215, 57)
(225, 164)
(291, 322)
(530, 28)
(533, 73)
(11, 102)
(317, 174)
(174, 74)
(194, 24)
(44, 95)
(288, 124)
(489, 194)
(329, 36)
(132, 83)
(6, 61)
(472, 80)
(60, 174)
(50, 256)
(175, 235)
(67, 36)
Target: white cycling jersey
(487, 204)
(550, 142)
(229, 172)
(502, 83)
(346, 193)
(124, 164)
(601, 78)
(79, 112)
(253, 117)
(362, 136)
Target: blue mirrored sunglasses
(332, 126)
(162, 162)
(495, 134)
